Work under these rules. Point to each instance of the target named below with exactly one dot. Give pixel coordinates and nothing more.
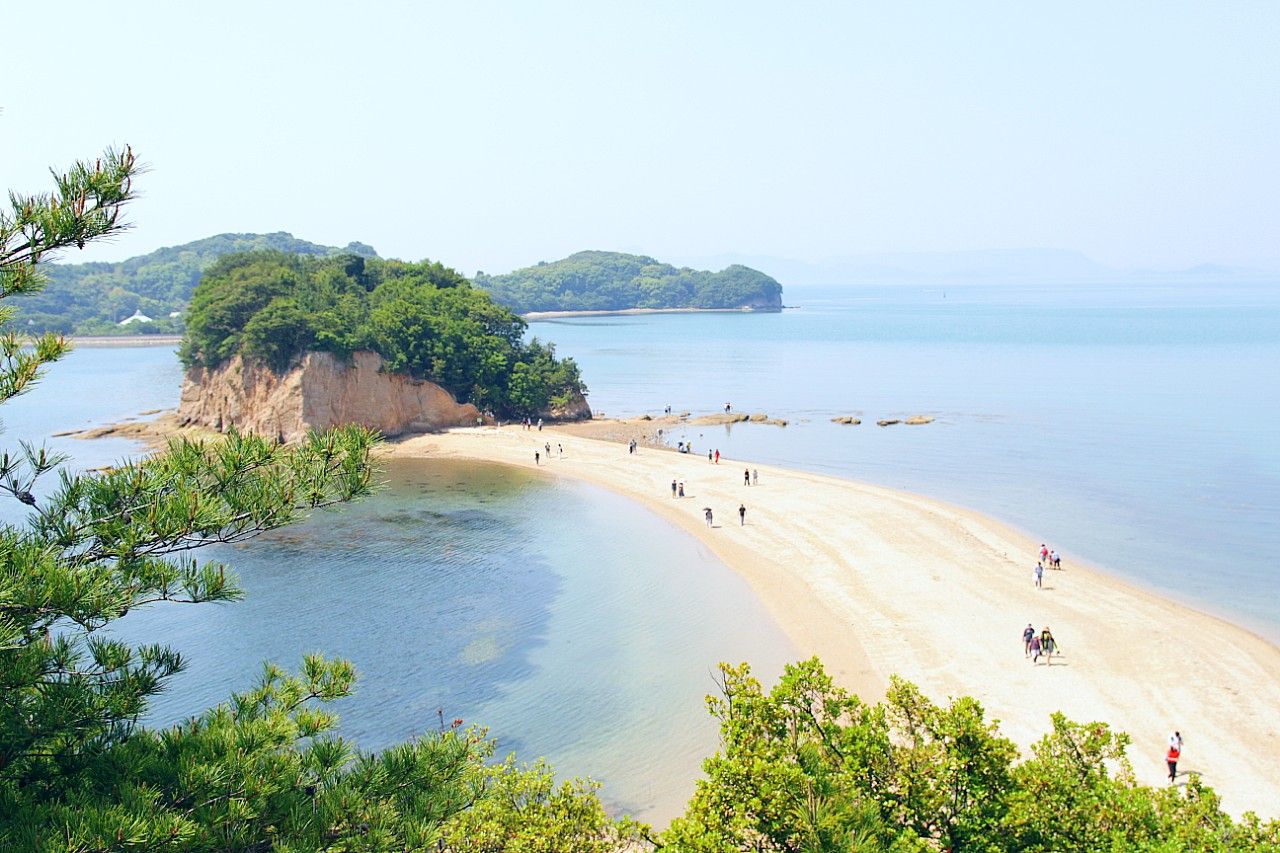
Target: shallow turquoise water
(1130, 426)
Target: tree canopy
(424, 319)
(92, 298)
(807, 766)
(613, 281)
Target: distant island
(148, 293)
(614, 281)
(279, 343)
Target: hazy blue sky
(490, 135)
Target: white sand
(879, 582)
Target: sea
(1129, 426)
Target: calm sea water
(1131, 426)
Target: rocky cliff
(319, 392)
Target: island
(614, 281)
(279, 343)
(148, 294)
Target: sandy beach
(879, 582)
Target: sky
(491, 135)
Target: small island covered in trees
(423, 320)
(613, 281)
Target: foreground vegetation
(613, 281)
(263, 771)
(424, 319)
(92, 298)
(808, 767)
(803, 767)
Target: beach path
(878, 582)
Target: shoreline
(535, 316)
(877, 582)
(831, 559)
(124, 340)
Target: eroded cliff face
(319, 392)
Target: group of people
(749, 477)
(1049, 557)
(1046, 558)
(537, 454)
(1036, 644)
(710, 516)
(528, 423)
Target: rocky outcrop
(576, 409)
(736, 418)
(318, 392)
(847, 419)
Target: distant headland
(148, 294)
(614, 282)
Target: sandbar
(878, 582)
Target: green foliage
(424, 319)
(92, 298)
(808, 767)
(523, 810)
(613, 281)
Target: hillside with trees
(92, 298)
(613, 281)
(424, 319)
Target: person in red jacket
(1174, 753)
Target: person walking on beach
(1035, 649)
(548, 449)
(746, 478)
(537, 458)
(1047, 645)
(560, 450)
(673, 488)
(755, 476)
(708, 455)
(539, 424)
(707, 513)
(717, 457)
(1044, 553)
(1055, 559)
(1038, 572)
(742, 515)
(1171, 757)
(1027, 634)
(681, 490)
